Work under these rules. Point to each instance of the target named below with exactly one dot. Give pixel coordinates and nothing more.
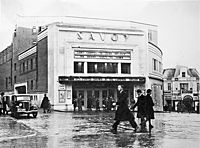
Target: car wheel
(34, 115)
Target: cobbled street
(91, 130)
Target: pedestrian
(141, 110)
(3, 103)
(123, 112)
(89, 103)
(149, 108)
(45, 104)
(97, 104)
(74, 102)
(79, 101)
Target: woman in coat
(123, 113)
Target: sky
(178, 21)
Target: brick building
(80, 57)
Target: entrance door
(89, 99)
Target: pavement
(91, 130)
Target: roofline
(71, 16)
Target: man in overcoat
(149, 108)
(123, 112)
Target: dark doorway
(187, 101)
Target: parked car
(22, 104)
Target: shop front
(100, 88)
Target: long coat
(141, 104)
(149, 107)
(123, 113)
(45, 103)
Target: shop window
(125, 68)
(78, 67)
(94, 67)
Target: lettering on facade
(114, 37)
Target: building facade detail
(181, 87)
(73, 58)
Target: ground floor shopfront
(104, 88)
(185, 103)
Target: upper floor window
(125, 68)
(197, 87)
(15, 79)
(184, 86)
(183, 74)
(78, 67)
(23, 67)
(15, 66)
(154, 64)
(95, 67)
(31, 84)
(31, 63)
(169, 86)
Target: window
(23, 67)
(160, 67)
(184, 86)
(15, 67)
(31, 84)
(27, 65)
(154, 64)
(183, 74)
(169, 86)
(94, 67)
(15, 79)
(125, 68)
(197, 87)
(78, 67)
(31, 64)
(6, 83)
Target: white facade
(122, 45)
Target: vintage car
(22, 104)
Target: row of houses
(64, 60)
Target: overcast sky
(178, 21)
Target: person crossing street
(123, 112)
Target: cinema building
(91, 58)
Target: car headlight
(20, 104)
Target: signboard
(107, 79)
(62, 96)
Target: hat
(149, 90)
(139, 91)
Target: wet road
(91, 130)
